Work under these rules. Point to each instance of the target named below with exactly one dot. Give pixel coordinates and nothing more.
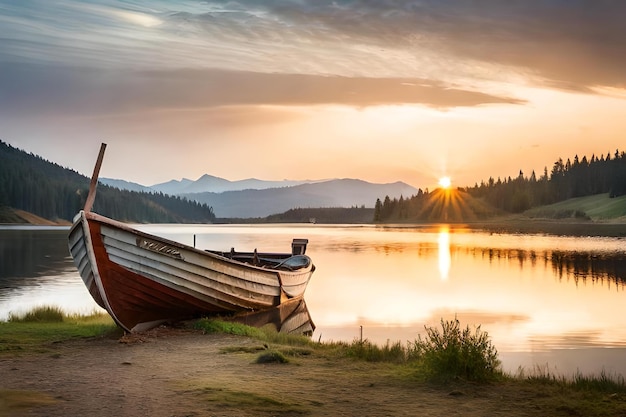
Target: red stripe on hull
(135, 299)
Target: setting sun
(445, 182)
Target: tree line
(567, 179)
(570, 179)
(30, 183)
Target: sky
(382, 91)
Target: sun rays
(449, 205)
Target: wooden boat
(144, 280)
(291, 316)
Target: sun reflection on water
(444, 252)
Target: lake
(546, 301)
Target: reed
(36, 329)
(368, 351)
(54, 314)
(604, 382)
(43, 314)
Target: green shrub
(272, 356)
(454, 353)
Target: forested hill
(32, 184)
(570, 179)
(567, 180)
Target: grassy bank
(447, 353)
(456, 360)
(36, 330)
(599, 207)
(451, 368)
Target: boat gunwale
(91, 216)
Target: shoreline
(511, 225)
(520, 225)
(552, 227)
(176, 372)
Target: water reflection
(31, 252)
(444, 252)
(36, 270)
(533, 294)
(604, 268)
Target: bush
(272, 357)
(454, 353)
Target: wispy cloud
(58, 91)
(357, 52)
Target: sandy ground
(172, 372)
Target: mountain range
(252, 197)
(205, 184)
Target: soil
(176, 372)
(33, 219)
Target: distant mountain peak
(258, 198)
(211, 177)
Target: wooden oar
(94, 180)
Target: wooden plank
(94, 179)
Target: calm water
(554, 302)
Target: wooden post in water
(94, 180)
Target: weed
(454, 353)
(267, 333)
(366, 350)
(44, 314)
(271, 356)
(42, 326)
(604, 382)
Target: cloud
(570, 44)
(575, 45)
(34, 89)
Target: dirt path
(182, 373)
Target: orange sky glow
(381, 91)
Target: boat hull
(144, 280)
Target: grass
(445, 354)
(265, 334)
(35, 330)
(283, 345)
(16, 400)
(458, 361)
(258, 404)
(594, 207)
(370, 352)
(606, 383)
(448, 358)
(44, 314)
